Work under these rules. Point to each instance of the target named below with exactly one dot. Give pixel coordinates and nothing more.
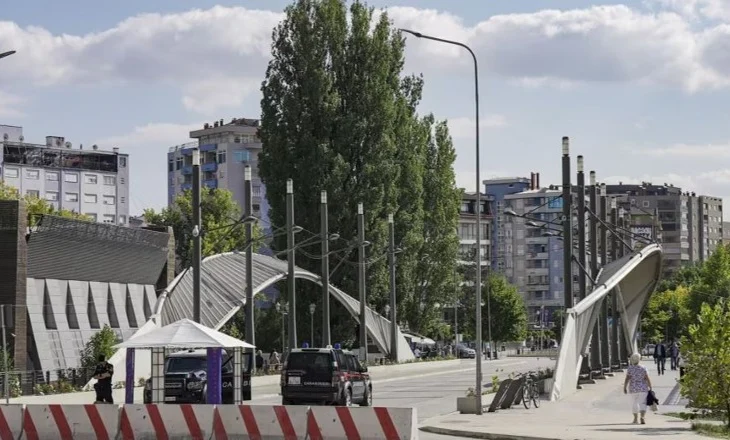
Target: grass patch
(714, 416)
(711, 430)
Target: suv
(327, 376)
(186, 378)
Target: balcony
(536, 240)
(211, 183)
(187, 170)
(209, 167)
(537, 287)
(209, 147)
(537, 271)
(537, 256)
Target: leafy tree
(37, 207)
(713, 281)
(337, 115)
(685, 276)
(667, 314)
(101, 343)
(220, 216)
(706, 350)
(509, 315)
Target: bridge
(633, 279)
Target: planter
(466, 405)
(546, 385)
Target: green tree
(684, 276)
(667, 315)
(509, 315)
(102, 343)
(37, 207)
(706, 350)
(713, 282)
(222, 229)
(338, 115)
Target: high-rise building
(726, 233)
(497, 189)
(468, 226)
(225, 150)
(691, 225)
(87, 181)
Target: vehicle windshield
(186, 364)
(309, 361)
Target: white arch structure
(634, 278)
(223, 281)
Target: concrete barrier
(334, 423)
(71, 422)
(11, 421)
(260, 422)
(166, 422)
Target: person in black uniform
(103, 374)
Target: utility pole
(393, 299)
(596, 338)
(248, 210)
(361, 281)
(567, 229)
(197, 236)
(324, 234)
(625, 346)
(605, 344)
(615, 342)
(581, 229)
(291, 281)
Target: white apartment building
(91, 182)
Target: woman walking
(638, 385)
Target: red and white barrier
(71, 422)
(11, 421)
(260, 422)
(163, 422)
(345, 423)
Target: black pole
(596, 363)
(625, 345)
(615, 341)
(567, 228)
(6, 54)
(581, 228)
(361, 281)
(393, 303)
(248, 210)
(291, 281)
(605, 344)
(197, 233)
(324, 236)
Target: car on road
(648, 350)
(464, 352)
(186, 378)
(325, 376)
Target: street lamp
(312, 308)
(284, 310)
(6, 54)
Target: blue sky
(641, 87)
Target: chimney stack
(532, 181)
(537, 180)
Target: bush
(101, 343)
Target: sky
(641, 87)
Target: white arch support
(634, 278)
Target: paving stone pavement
(599, 411)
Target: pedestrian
(673, 355)
(274, 359)
(260, 360)
(660, 356)
(103, 375)
(637, 384)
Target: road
(432, 394)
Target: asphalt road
(432, 394)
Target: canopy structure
(420, 340)
(184, 334)
(633, 278)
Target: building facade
(225, 150)
(87, 181)
(468, 226)
(497, 189)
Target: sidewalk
(597, 412)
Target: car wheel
(368, 400)
(204, 394)
(347, 398)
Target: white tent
(184, 334)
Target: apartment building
(691, 225)
(225, 150)
(88, 181)
(497, 189)
(468, 226)
(726, 233)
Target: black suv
(186, 378)
(328, 376)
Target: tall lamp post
(478, 280)
(283, 309)
(7, 54)
(312, 308)
(197, 229)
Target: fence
(27, 383)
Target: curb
(482, 435)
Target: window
(32, 193)
(221, 157)
(123, 162)
(11, 172)
(53, 177)
(122, 200)
(108, 218)
(121, 180)
(170, 166)
(646, 203)
(71, 197)
(178, 163)
(110, 200)
(71, 177)
(110, 180)
(52, 196)
(122, 219)
(241, 156)
(556, 263)
(32, 174)
(89, 198)
(91, 178)
(92, 216)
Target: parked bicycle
(530, 391)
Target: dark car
(186, 378)
(325, 376)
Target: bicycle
(530, 390)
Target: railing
(193, 144)
(29, 383)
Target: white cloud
(697, 9)
(10, 105)
(688, 151)
(465, 127)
